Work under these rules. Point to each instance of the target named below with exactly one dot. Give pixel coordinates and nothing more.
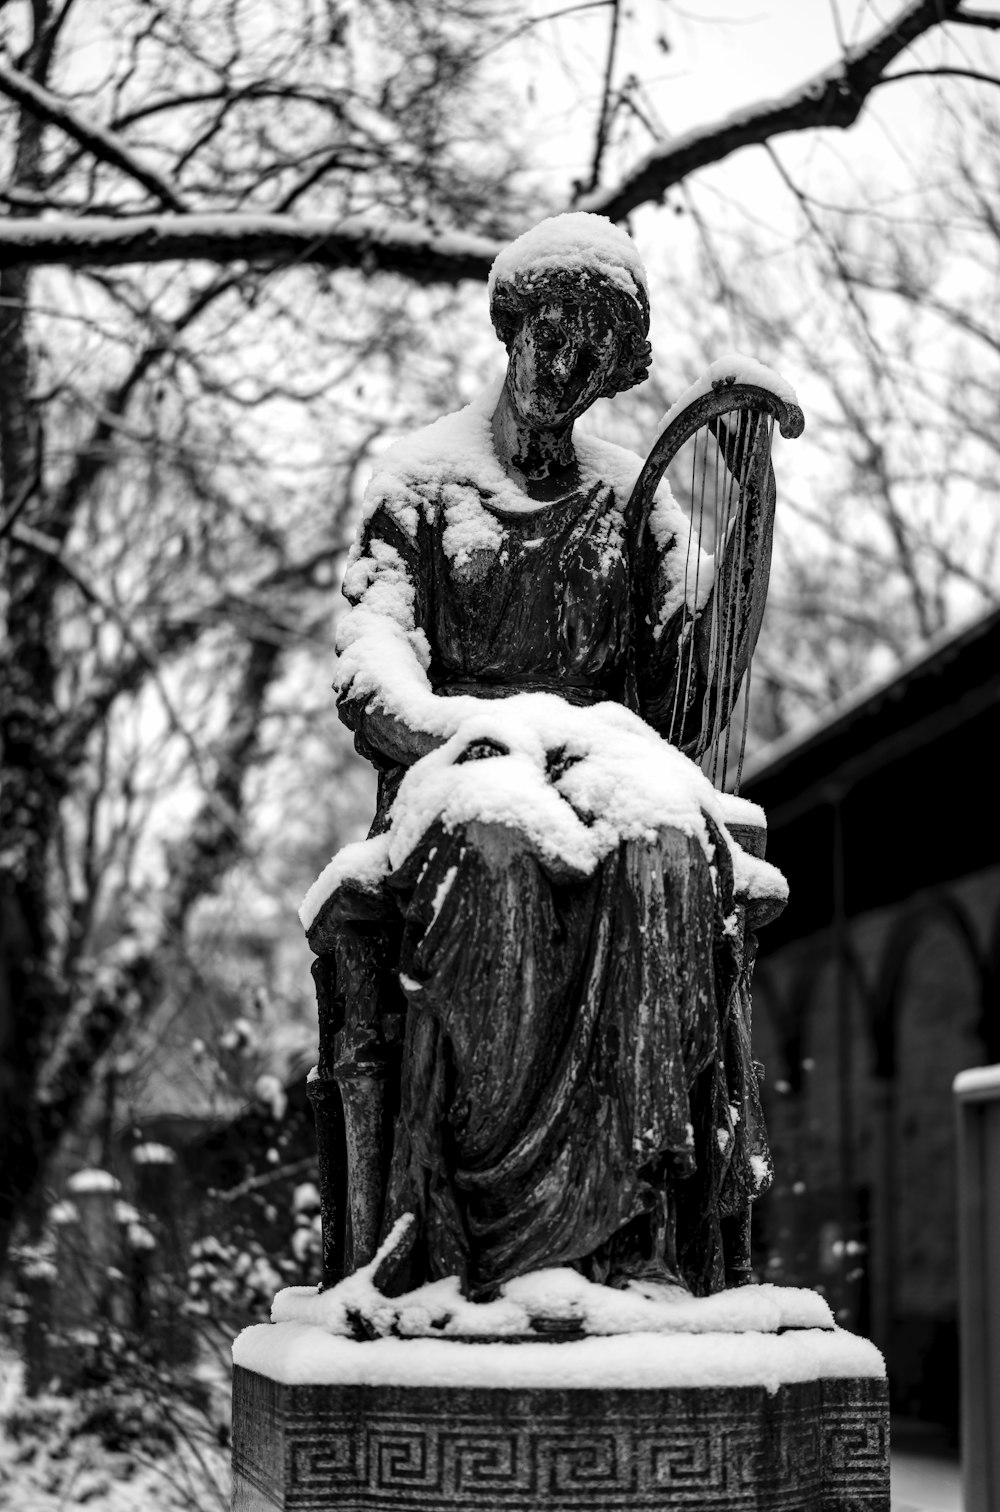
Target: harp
(727, 426)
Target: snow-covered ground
(120, 1451)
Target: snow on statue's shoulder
(607, 462)
(455, 451)
(731, 367)
(618, 467)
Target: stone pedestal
(806, 1445)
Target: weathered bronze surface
(547, 1069)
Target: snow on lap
(575, 782)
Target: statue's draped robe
(576, 1079)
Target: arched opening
(812, 1226)
(928, 1029)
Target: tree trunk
(31, 999)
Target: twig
(43, 544)
(936, 73)
(24, 498)
(99, 142)
(604, 117)
(833, 98)
(255, 1183)
(975, 18)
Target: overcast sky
(724, 54)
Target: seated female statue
(531, 975)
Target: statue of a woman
(530, 976)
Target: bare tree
(180, 450)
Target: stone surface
(819, 1446)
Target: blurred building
(873, 989)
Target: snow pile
(299, 1354)
(731, 367)
(736, 810)
(305, 1198)
(978, 1084)
(452, 465)
(154, 1154)
(92, 1181)
(618, 781)
(574, 243)
(363, 863)
(268, 1089)
(138, 1237)
(557, 1294)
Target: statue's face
(560, 360)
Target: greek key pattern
(370, 1449)
(856, 1445)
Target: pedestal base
(808, 1446)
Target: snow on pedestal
(748, 1398)
(556, 1299)
(303, 1354)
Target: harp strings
(749, 435)
(722, 500)
(714, 626)
(686, 640)
(728, 613)
(685, 637)
(761, 483)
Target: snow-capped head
(582, 260)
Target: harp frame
(745, 451)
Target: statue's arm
(386, 737)
(383, 691)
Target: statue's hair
(513, 298)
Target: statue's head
(568, 300)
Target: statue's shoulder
(412, 477)
(608, 463)
(618, 467)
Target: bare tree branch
(413, 251)
(102, 144)
(53, 550)
(976, 18)
(924, 300)
(833, 98)
(942, 73)
(24, 497)
(214, 840)
(604, 118)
